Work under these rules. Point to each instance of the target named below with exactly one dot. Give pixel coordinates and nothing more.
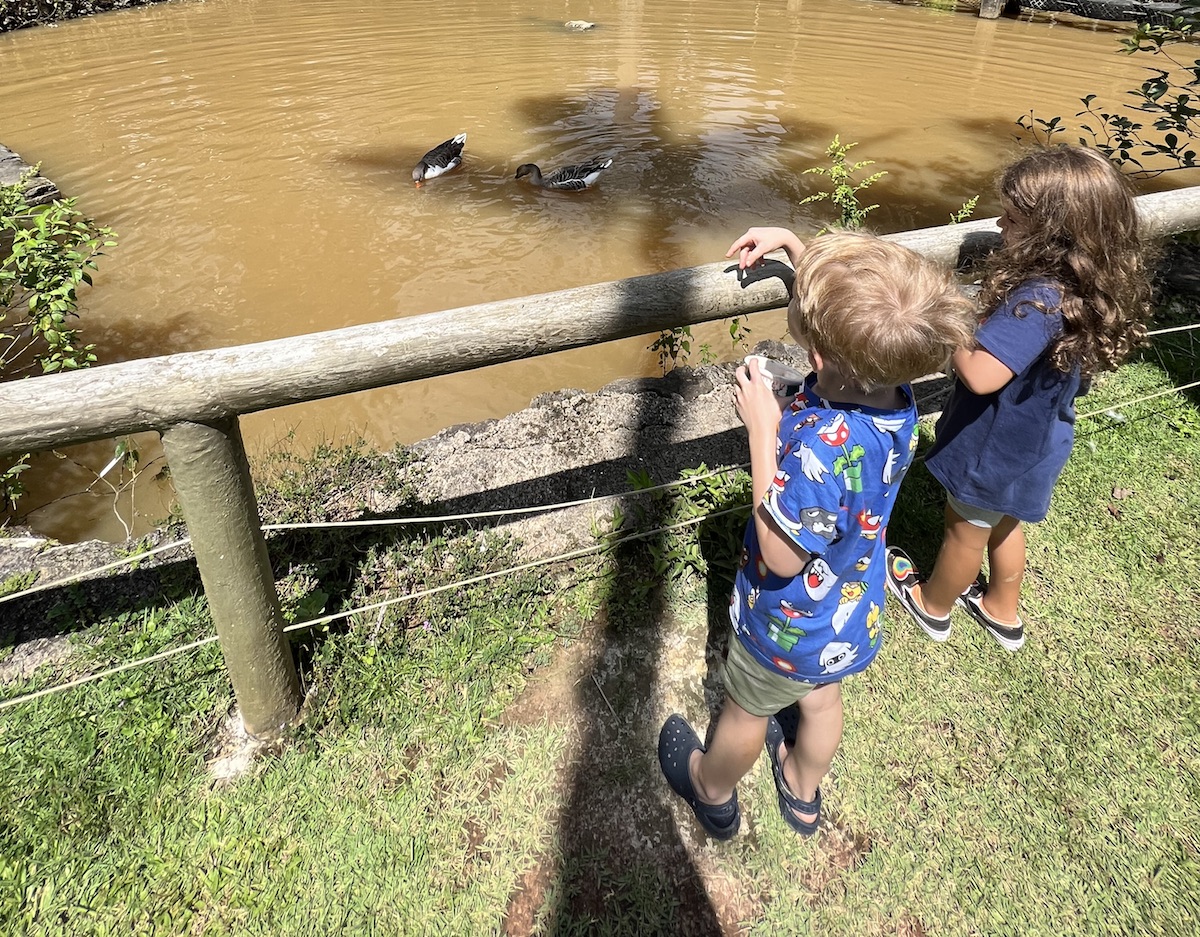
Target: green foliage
(1168, 97)
(18, 582)
(967, 210)
(11, 487)
(46, 252)
(739, 332)
(49, 251)
(697, 545)
(673, 347)
(294, 487)
(844, 193)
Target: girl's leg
(817, 740)
(735, 746)
(1006, 570)
(958, 563)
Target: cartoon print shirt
(1005, 450)
(839, 468)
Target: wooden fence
(194, 400)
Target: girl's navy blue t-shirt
(1005, 450)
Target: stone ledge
(38, 189)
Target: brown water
(255, 158)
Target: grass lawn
(483, 763)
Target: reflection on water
(256, 160)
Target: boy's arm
(981, 371)
(758, 407)
(758, 242)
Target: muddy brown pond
(256, 160)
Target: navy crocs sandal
(676, 742)
(789, 803)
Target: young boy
(808, 598)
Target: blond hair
(1080, 231)
(883, 313)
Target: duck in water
(570, 178)
(440, 160)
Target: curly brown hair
(1079, 229)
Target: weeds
(852, 214)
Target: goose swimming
(441, 159)
(570, 178)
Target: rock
(38, 189)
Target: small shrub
(46, 251)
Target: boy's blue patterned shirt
(839, 468)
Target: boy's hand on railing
(756, 243)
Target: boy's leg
(1006, 570)
(735, 746)
(817, 739)
(958, 563)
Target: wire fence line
(1174, 328)
(90, 573)
(378, 522)
(505, 512)
(1120, 406)
(349, 613)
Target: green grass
(1051, 792)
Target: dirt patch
(624, 843)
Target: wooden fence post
(212, 480)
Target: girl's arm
(757, 242)
(981, 371)
(758, 407)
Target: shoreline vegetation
(20, 14)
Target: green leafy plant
(967, 210)
(46, 252)
(673, 347)
(1168, 97)
(739, 333)
(692, 548)
(844, 193)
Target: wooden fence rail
(194, 400)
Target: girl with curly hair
(1066, 296)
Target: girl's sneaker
(1009, 636)
(901, 578)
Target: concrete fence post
(212, 480)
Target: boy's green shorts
(759, 691)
